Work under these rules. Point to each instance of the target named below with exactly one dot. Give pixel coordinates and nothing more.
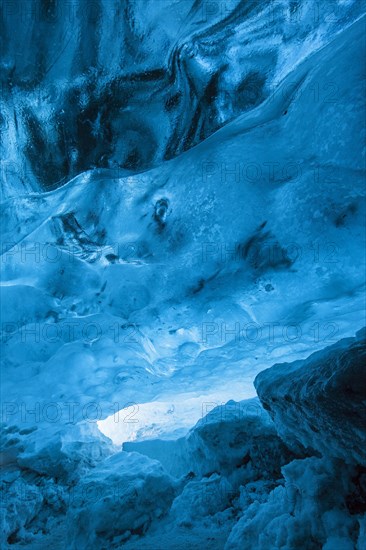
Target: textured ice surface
(319, 412)
(319, 403)
(117, 499)
(182, 207)
(129, 84)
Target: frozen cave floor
(286, 469)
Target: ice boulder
(122, 496)
(318, 408)
(318, 404)
(237, 440)
(309, 511)
(32, 507)
(237, 436)
(64, 453)
(202, 498)
(20, 503)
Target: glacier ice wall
(182, 207)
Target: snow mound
(120, 497)
(308, 512)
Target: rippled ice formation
(182, 207)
